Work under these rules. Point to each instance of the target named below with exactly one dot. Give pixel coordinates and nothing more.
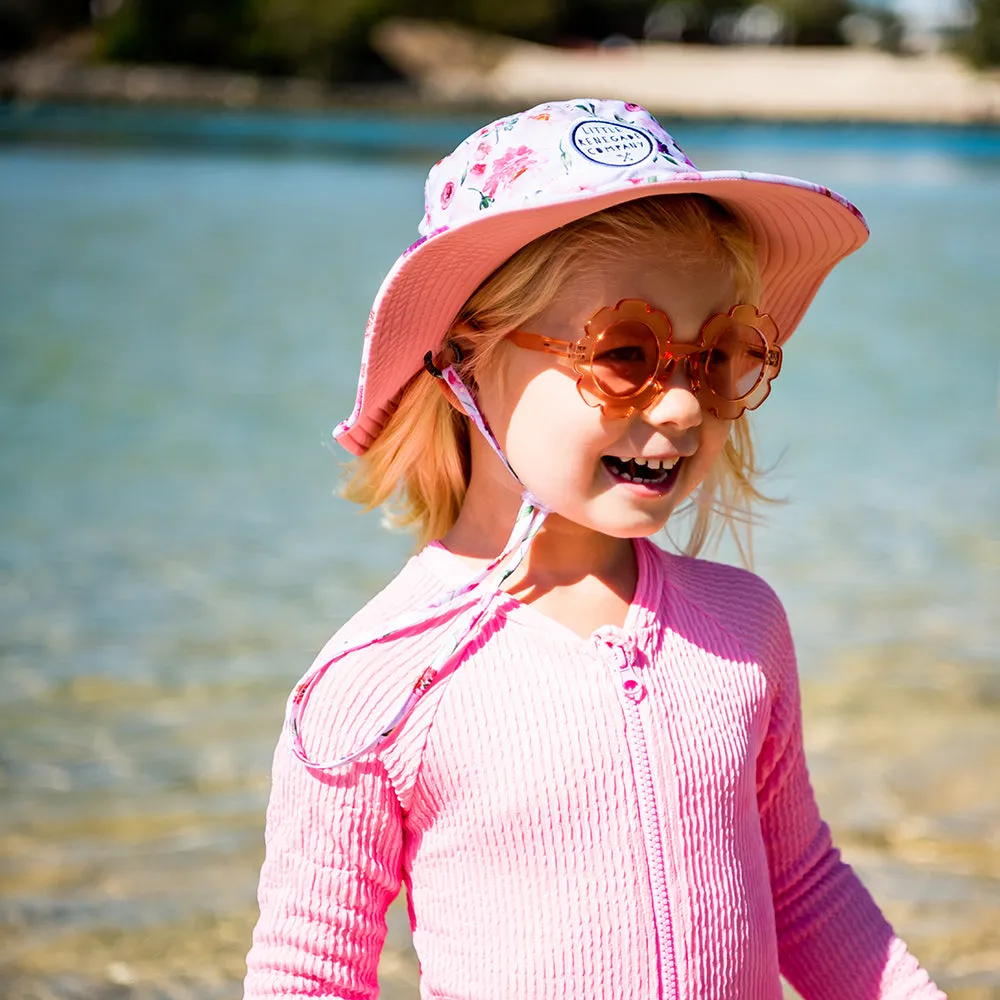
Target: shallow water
(178, 333)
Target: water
(179, 330)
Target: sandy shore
(702, 81)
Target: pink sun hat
(525, 175)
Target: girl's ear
(460, 341)
(456, 349)
(443, 386)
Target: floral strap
(475, 594)
(462, 394)
(529, 520)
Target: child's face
(569, 454)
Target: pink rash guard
(627, 815)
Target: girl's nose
(677, 404)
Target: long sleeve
(332, 867)
(833, 942)
(335, 840)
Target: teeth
(655, 464)
(641, 470)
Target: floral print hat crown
(513, 159)
(527, 174)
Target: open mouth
(644, 472)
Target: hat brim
(800, 230)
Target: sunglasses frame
(579, 355)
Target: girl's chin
(619, 524)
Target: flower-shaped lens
(625, 358)
(622, 345)
(740, 360)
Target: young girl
(581, 754)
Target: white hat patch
(611, 143)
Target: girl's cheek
(714, 437)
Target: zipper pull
(620, 650)
(632, 687)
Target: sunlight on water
(180, 331)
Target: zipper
(632, 692)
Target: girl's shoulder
(710, 596)
(411, 590)
(370, 663)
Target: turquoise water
(179, 330)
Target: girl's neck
(579, 577)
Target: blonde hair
(418, 468)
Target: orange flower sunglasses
(627, 352)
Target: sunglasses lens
(734, 363)
(625, 358)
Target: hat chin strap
(468, 403)
(531, 506)
(474, 598)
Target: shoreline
(451, 71)
(834, 84)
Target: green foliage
(805, 22)
(524, 18)
(330, 39)
(325, 39)
(983, 42)
(184, 31)
(814, 22)
(317, 38)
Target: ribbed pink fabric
(624, 816)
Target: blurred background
(197, 204)
(332, 40)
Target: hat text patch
(611, 143)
